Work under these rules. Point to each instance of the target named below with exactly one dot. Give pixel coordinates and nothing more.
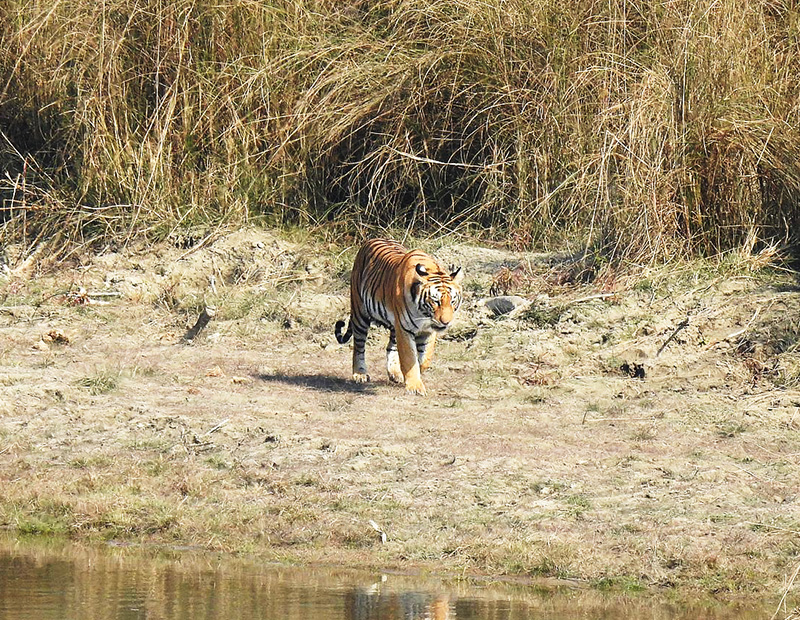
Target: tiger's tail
(337, 330)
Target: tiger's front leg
(360, 332)
(393, 359)
(409, 364)
(425, 346)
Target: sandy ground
(632, 432)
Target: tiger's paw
(415, 386)
(360, 377)
(393, 366)
(395, 374)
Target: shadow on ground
(322, 383)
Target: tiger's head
(436, 292)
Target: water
(66, 582)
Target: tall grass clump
(648, 130)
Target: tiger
(412, 295)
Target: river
(41, 580)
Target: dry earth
(630, 432)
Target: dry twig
(682, 325)
(786, 592)
(217, 427)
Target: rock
(504, 304)
(55, 336)
(41, 345)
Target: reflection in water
(65, 582)
(369, 604)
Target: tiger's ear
(421, 270)
(457, 274)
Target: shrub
(642, 130)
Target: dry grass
(639, 130)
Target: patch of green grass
(218, 462)
(306, 480)
(546, 487)
(621, 583)
(723, 518)
(86, 462)
(730, 428)
(627, 528)
(239, 306)
(577, 505)
(720, 581)
(102, 382)
(41, 525)
(554, 562)
(542, 316)
(644, 432)
(536, 396)
(487, 379)
(580, 501)
(133, 518)
(156, 444)
(43, 517)
(473, 286)
(154, 467)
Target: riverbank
(632, 432)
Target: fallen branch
(198, 245)
(636, 419)
(217, 427)
(205, 316)
(682, 325)
(756, 476)
(103, 294)
(591, 297)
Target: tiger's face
(437, 293)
